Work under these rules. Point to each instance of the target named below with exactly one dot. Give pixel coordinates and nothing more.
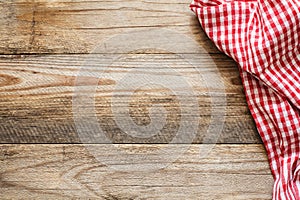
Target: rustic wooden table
(43, 44)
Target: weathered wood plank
(36, 91)
(36, 98)
(70, 171)
(37, 95)
(56, 26)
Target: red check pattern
(262, 36)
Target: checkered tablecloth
(262, 36)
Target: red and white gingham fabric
(262, 36)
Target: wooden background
(42, 46)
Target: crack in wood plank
(32, 28)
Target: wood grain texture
(47, 53)
(37, 93)
(56, 26)
(70, 171)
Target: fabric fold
(262, 36)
